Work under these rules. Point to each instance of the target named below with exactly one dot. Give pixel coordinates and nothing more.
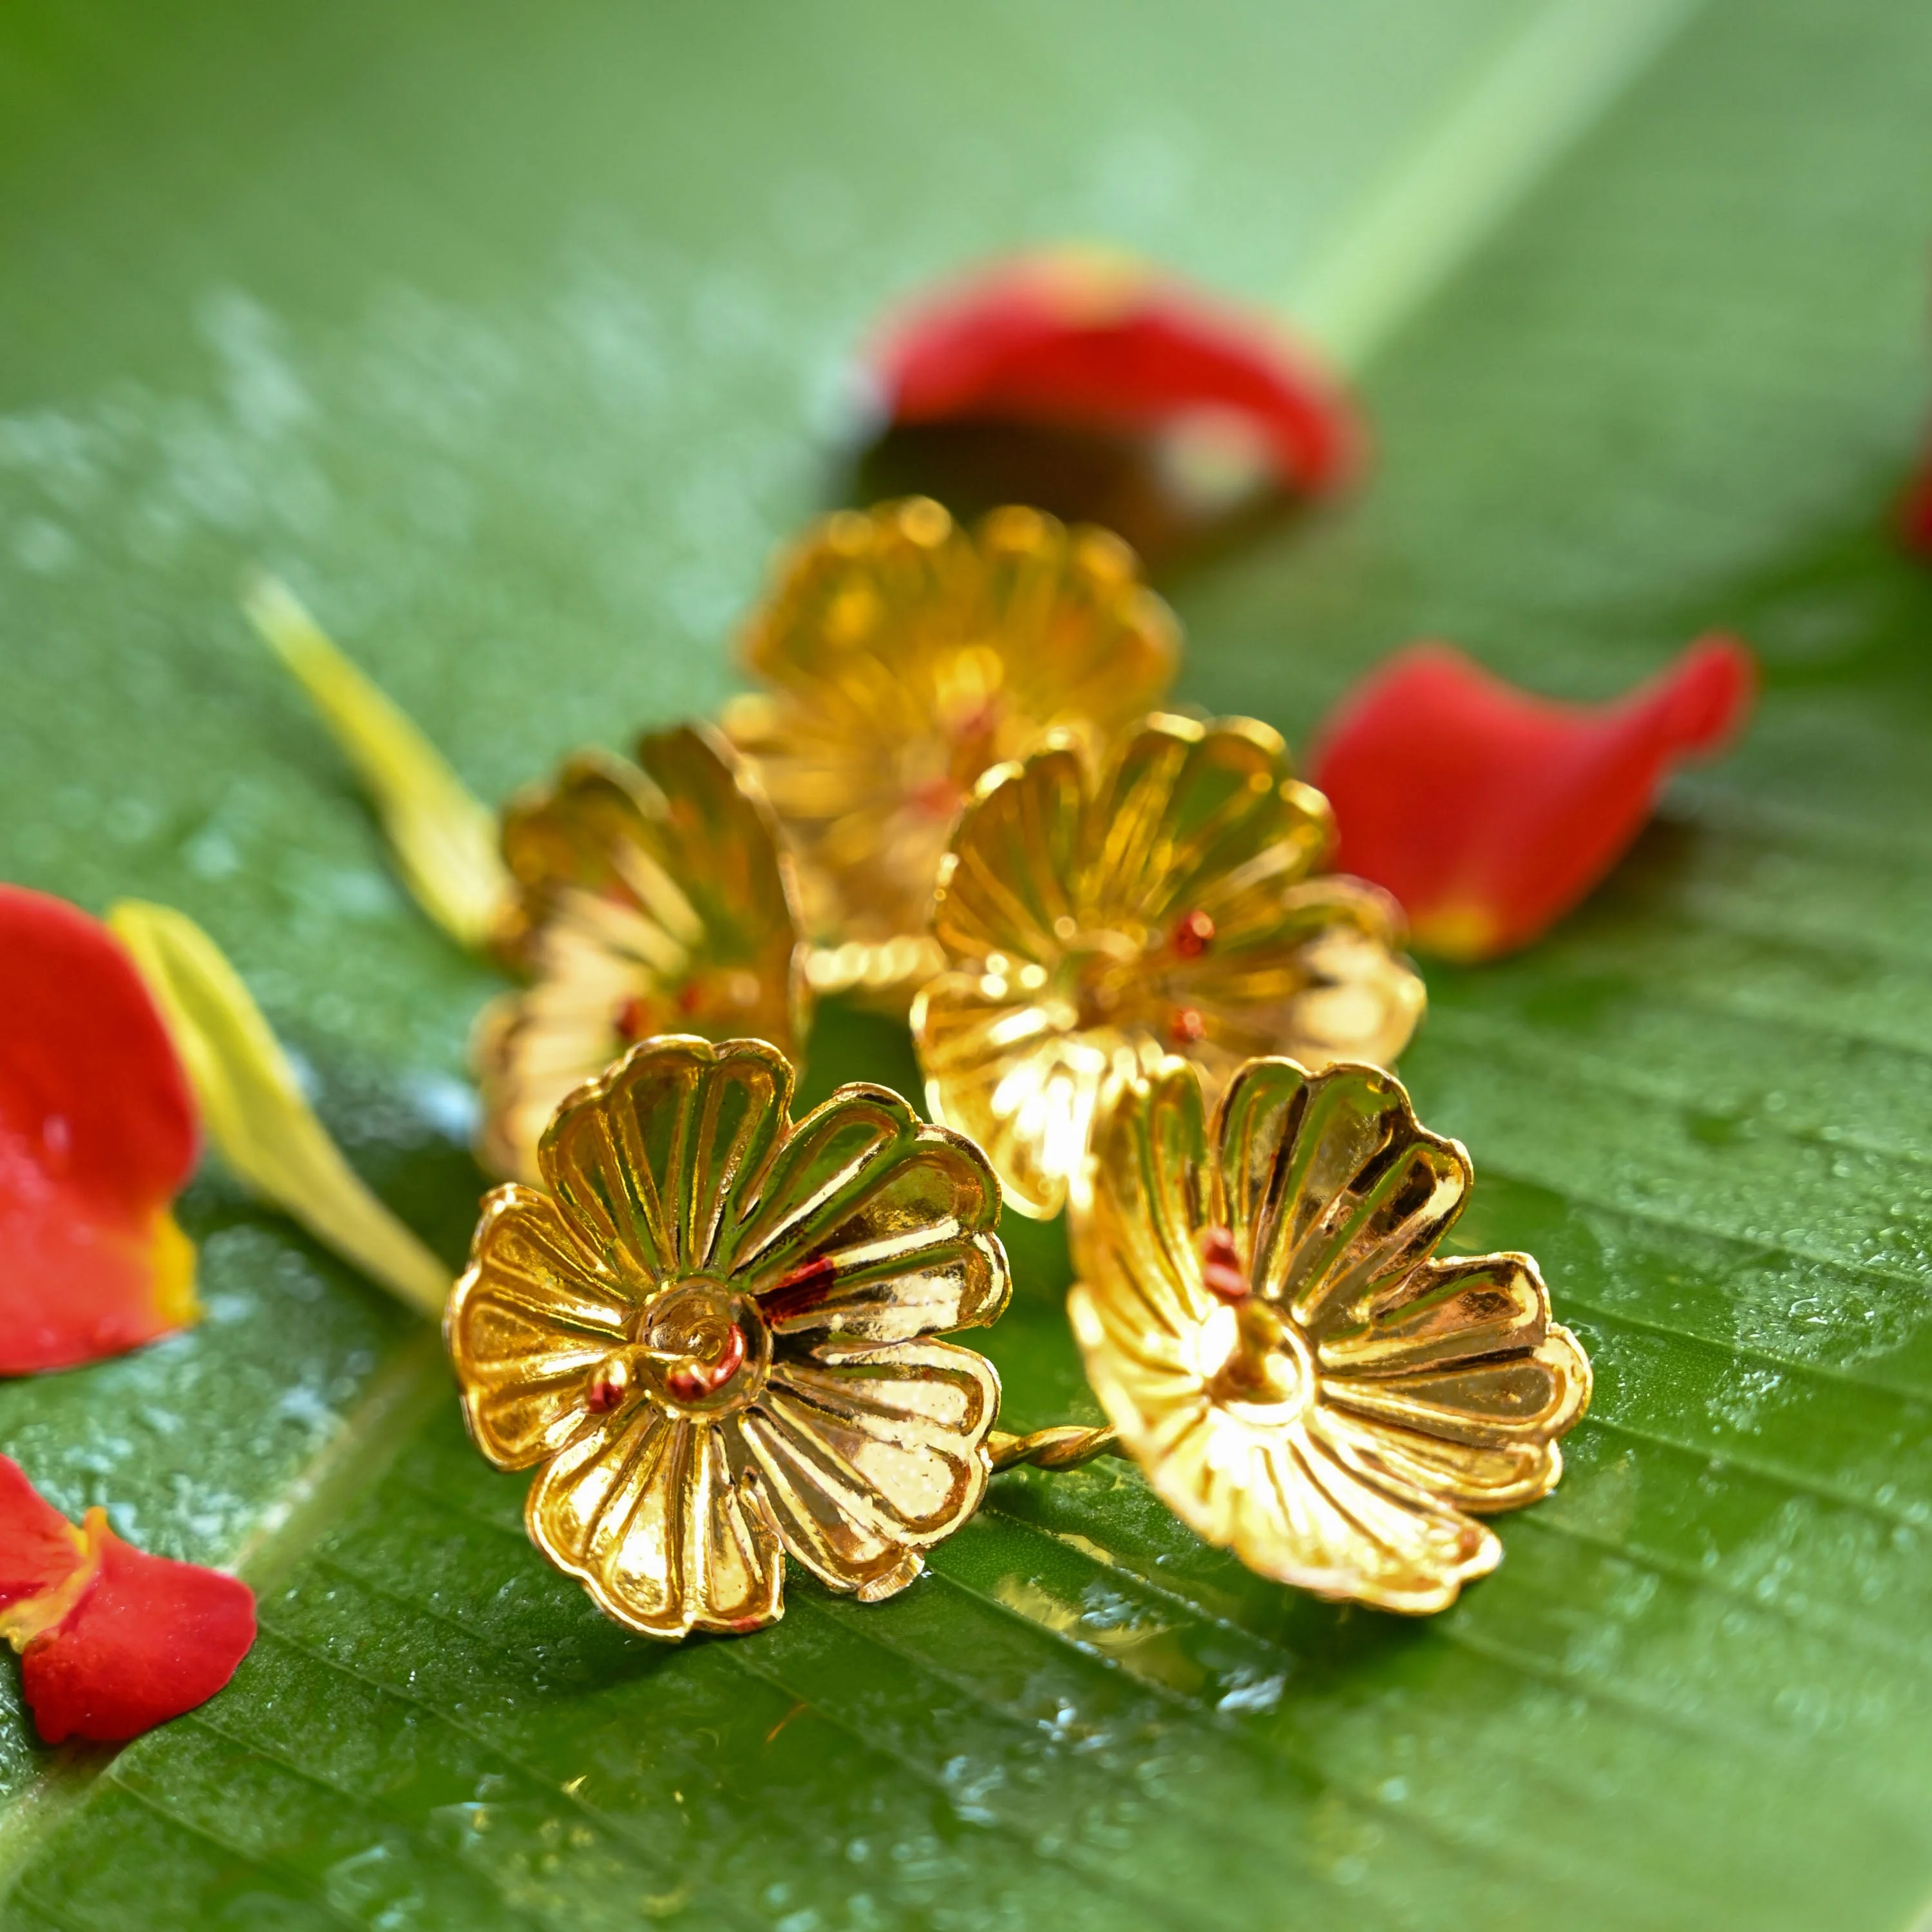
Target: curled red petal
(97, 1135)
(40, 1549)
(150, 1639)
(1076, 339)
(1488, 812)
(112, 1641)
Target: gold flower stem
(1062, 1448)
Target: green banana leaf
(513, 338)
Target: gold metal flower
(1266, 1326)
(1093, 924)
(712, 1333)
(652, 898)
(902, 657)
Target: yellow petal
(444, 838)
(254, 1111)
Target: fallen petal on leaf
(97, 1135)
(150, 1639)
(113, 1641)
(40, 1549)
(1082, 339)
(444, 838)
(260, 1124)
(1488, 812)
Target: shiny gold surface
(651, 898)
(900, 657)
(1064, 1446)
(1266, 1325)
(1095, 924)
(711, 1336)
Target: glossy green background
(515, 338)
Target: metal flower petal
(901, 657)
(652, 897)
(712, 1332)
(1094, 923)
(1265, 1324)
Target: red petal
(112, 1641)
(1490, 813)
(1077, 340)
(150, 1639)
(39, 1548)
(97, 1136)
(1915, 514)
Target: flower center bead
(694, 1378)
(1186, 1027)
(708, 1346)
(1256, 1365)
(1221, 1272)
(1193, 934)
(1102, 972)
(609, 1384)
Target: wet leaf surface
(515, 345)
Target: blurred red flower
(1079, 339)
(1915, 513)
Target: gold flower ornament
(1268, 1325)
(1096, 920)
(649, 898)
(901, 656)
(712, 1336)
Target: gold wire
(1064, 1447)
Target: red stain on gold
(693, 1381)
(1220, 1266)
(936, 798)
(634, 1018)
(800, 1290)
(1193, 934)
(605, 1395)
